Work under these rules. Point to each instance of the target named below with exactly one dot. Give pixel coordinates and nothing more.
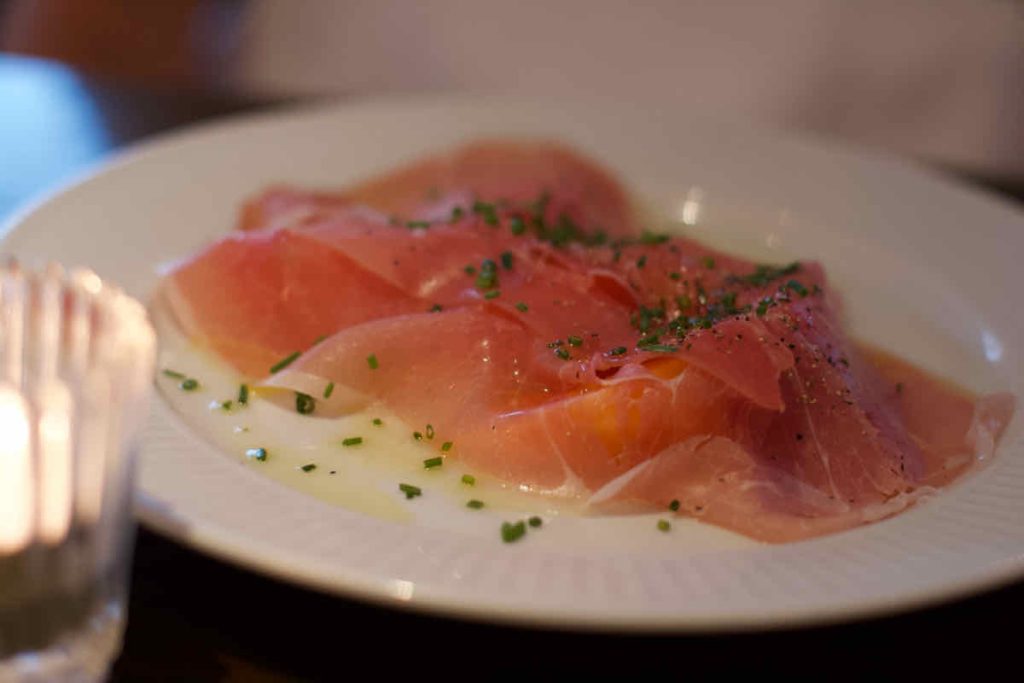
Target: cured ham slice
(529, 322)
(513, 173)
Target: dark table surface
(198, 619)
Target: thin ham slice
(512, 172)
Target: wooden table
(193, 618)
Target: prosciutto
(508, 298)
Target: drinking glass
(76, 361)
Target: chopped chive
(536, 522)
(377, 422)
(417, 435)
(649, 237)
(510, 533)
(468, 479)
(664, 525)
(189, 384)
(674, 505)
(352, 441)
(486, 210)
(562, 353)
(457, 213)
(493, 294)
(417, 224)
(506, 259)
(226, 405)
(284, 362)
(329, 389)
(431, 463)
(517, 225)
(522, 307)
(574, 340)
(675, 276)
(410, 491)
(430, 431)
(642, 261)
(304, 403)
(797, 287)
(446, 446)
(243, 395)
(618, 351)
(371, 360)
(488, 277)
(308, 468)
(256, 454)
(708, 262)
(173, 374)
(436, 308)
(663, 348)
(763, 306)
(470, 270)
(475, 504)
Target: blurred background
(938, 80)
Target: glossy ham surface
(515, 307)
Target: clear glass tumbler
(76, 362)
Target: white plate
(929, 269)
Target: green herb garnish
(506, 259)
(410, 491)
(618, 351)
(284, 362)
(377, 422)
(436, 308)
(488, 277)
(574, 340)
(642, 261)
(431, 463)
(674, 506)
(517, 225)
(664, 525)
(510, 533)
(243, 395)
(189, 384)
(329, 389)
(371, 360)
(430, 431)
(487, 211)
(660, 348)
(649, 237)
(493, 294)
(562, 353)
(352, 441)
(797, 287)
(446, 446)
(708, 262)
(522, 307)
(468, 479)
(173, 374)
(475, 504)
(535, 522)
(308, 468)
(304, 403)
